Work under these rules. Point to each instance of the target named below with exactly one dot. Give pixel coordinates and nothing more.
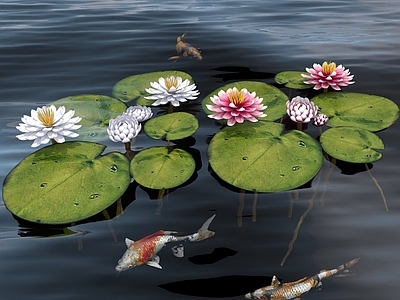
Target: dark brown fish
(185, 49)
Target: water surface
(51, 50)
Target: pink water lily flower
(328, 75)
(236, 106)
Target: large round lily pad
(359, 110)
(172, 126)
(133, 87)
(65, 183)
(351, 144)
(274, 98)
(292, 80)
(258, 157)
(160, 168)
(95, 111)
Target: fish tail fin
(344, 269)
(203, 233)
(341, 271)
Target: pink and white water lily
(47, 124)
(328, 75)
(320, 120)
(301, 110)
(236, 106)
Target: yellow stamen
(46, 116)
(328, 68)
(236, 97)
(171, 82)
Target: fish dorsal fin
(154, 262)
(128, 242)
(275, 282)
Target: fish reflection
(295, 289)
(144, 251)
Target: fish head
(129, 260)
(197, 55)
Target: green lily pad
(95, 111)
(274, 98)
(359, 110)
(258, 157)
(133, 87)
(160, 168)
(351, 144)
(65, 183)
(292, 80)
(172, 126)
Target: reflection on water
(53, 50)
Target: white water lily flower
(123, 128)
(48, 123)
(141, 113)
(172, 89)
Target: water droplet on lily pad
(302, 144)
(94, 196)
(44, 184)
(113, 168)
(282, 175)
(244, 158)
(295, 168)
(76, 204)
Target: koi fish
(144, 251)
(185, 49)
(295, 289)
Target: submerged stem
(107, 217)
(254, 207)
(240, 208)
(378, 186)
(301, 220)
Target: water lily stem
(170, 108)
(53, 141)
(128, 146)
(300, 126)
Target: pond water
(52, 49)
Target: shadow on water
(240, 73)
(216, 255)
(30, 229)
(217, 287)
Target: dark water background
(53, 49)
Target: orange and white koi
(144, 251)
(295, 289)
(185, 49)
